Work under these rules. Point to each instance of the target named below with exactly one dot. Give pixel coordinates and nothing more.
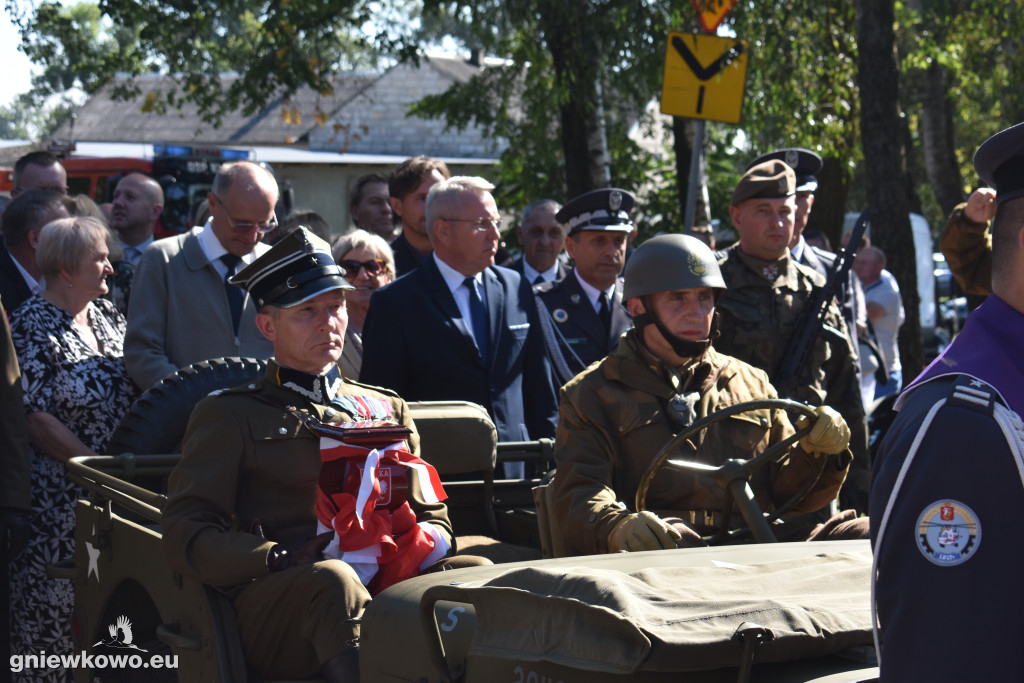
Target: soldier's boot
(342, 668)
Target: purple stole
(989, 348)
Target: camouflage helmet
(670, 262)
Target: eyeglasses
(479, 224)
(243, 227)
(373, 267)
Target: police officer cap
(604, 209)
(1000, 162)
(772, 179)
(296, 269)
(805, 163)
(670, 262)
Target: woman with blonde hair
(69, 343)
(369, 264)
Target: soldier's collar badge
(317, 388)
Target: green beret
(772, 179)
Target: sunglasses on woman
(373, 267)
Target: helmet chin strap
(683, 348)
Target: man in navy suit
(459, 327)
(543, 239)
(23, 218)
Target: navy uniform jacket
(823, 262)
(955, 622)
(416, 343)
(579, 323)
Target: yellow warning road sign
(704, 77)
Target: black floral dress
(89, 391)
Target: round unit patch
(559, 315)
(948, 533)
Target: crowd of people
(609, 349)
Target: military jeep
(758, 612)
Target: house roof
(365, 108)
(103, 118)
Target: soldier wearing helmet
(663, 375)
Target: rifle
(812, 318)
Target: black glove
(308, 552)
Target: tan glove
(828, 435)
(642, 531)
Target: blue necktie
(479, 318)
(236, 295)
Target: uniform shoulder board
(247, 388)
(382, 390)
(827, 256)
(974, 394)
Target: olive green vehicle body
(424, 629)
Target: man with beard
(409, 185)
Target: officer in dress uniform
(948, 481)
(242, 505)
(586, 305)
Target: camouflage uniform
(967, 247)
(613, 421)
(759, 311)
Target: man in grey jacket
(182, 311)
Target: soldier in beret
(806, 165)
(767, 293)
(950, 468)
(241, 513)
(586, 306)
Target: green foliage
(801, 78)
(276, 47)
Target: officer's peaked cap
(805, 163)
(604, 209)
(296, 269)
(670, 262)
(1000, 162)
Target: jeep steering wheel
(733, 476)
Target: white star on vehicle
(94, 556)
